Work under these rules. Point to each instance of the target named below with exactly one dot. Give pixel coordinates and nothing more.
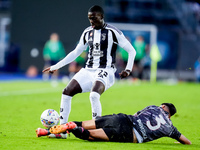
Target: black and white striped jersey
(102, 48)
(103, 44)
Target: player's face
(96, 19)
(166, 109)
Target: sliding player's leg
(91, 135)
(89, 124)
(98, 135)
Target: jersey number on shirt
(102, 74)
(160, 120)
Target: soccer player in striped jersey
(99, 72)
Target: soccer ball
(49, 118)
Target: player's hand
(48, 70)
(124, 74)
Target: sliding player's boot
(62, 128)
(41, 132)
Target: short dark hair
(96, 8)
(172, 108)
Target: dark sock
(81, 133)
(49, 132)
(79, 124)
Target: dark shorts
(117, 127)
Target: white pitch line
(28, 92)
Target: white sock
(95, 104)
(65, 108)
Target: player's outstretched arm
(124, 74)
(184, 140)
(48, 70)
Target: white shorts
(86, 77)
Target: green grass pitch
(22, 102)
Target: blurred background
(169, 28)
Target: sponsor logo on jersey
(97, 53)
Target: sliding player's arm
(179, 137)
(184, 140)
